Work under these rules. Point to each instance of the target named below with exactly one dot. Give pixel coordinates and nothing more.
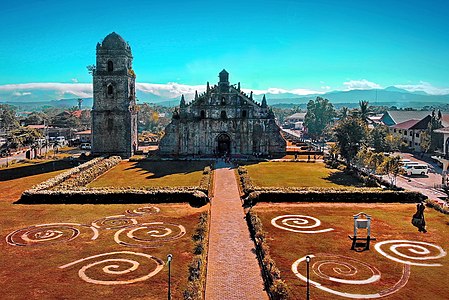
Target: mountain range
(36, 99)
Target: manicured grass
(298, 174)
(152, 174)
(13, 181)
(389, 222)
(32, 272)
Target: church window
(110, 89)
(223, 114)
(244, 114)
(223, 101)
(202, 114)
(110, 66)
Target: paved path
(232, 269)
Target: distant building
(445, 157)
(114, 113)
(84, 136)
(394, 117)
(295, 121)
(223, 120)
(411, 132)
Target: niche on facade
(110, 90)
(110, 66)
(223, 101)
(244, 113)
(223, 115)
(202, 114)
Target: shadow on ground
(37, 169)
(158, 169)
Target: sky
(293, 45)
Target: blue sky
(314, 45)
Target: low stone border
(276, 287)
(197, 268)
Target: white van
(417, 169)
(61, 140)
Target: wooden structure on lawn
(359, 243)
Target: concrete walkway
(232, 269)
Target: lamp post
(169, 258)
(308, 287)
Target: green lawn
(331, 254)
(298, 174)
(152, 174)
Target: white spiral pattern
(44, 234)
(149, 235)
(119, 266)
(114, 222)
(416, 251)
(344, 270)
(298, 223)
(146, 210)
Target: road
(423, 184)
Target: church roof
(113, 41)
(224, 72)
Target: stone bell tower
(114, 113)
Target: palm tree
(344, 112)
(364, 111)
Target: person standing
(418, 218)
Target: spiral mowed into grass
(149, 235)
(146, 210)
(123, 267)
(299, 223)
(44, 234)
(338, 270)
(114, 222)
(414, 253)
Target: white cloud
(170, 90)
(275, 91)
(77, 89)
(360, 85)
(74, 80)
(425, 87)
(19, 94)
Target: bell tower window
(110, 66)
(244, 114)
(110, 89)
(202, 114)
(223, 101)
(223, 114)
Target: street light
(169, 258)
(308, 287)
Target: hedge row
(246, 182)
(352, 196)
(107, 196)
(197, 268)
(435, 205)
(206, 180)
(89, 174)
(54, 181)
(277, 288)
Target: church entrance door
(223, 144)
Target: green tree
(364, 111)
(351, 136)
(344, 112)
(320, 113)
(391, 166)
(8, 119)
(431, 140)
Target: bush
(435, 205)
(197, 268)
(328, 195)
(276, 288)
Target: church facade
(114, 113)
(223, 120)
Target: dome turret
(113, 41)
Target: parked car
(85, 146)
(418, 169)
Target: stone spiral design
(44, 234)
(114, 222)
(146, 210)
(298, 223)
(411, 252)
(121, 268)
(337, 270)
(149, 235)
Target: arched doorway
(223, 144)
